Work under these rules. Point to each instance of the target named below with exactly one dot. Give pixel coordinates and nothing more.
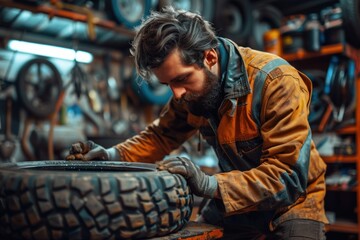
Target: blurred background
(66, 75)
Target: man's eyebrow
(179, 77)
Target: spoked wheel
(38, 87)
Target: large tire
(351, 17)
(150, 91)
(265, 18)
(128, 12)
(203, 7)
(233, 19)
(105, 200)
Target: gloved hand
(201, 184)
(92, 151)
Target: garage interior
(49, 102)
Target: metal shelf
(87, 27)
(52, 11)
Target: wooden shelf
(301, 57)
(339, 159)
(325, 50)
(339, 189)
(347, 130)
(343, 226)
(193, 230)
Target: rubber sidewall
(351, 17)
(56, 204)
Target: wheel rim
(84, 166)
(131, 10)
(39, 85)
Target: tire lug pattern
(129, 200)
(93, 206)
(114, 209)
(56, 221)
(71, 205)
(102, 221)
(33, 216)
(62, 199)
(56, 234)
(71, 220)
(77, 203)
(42, 194)
(105, 186)
(13, 204)
(41, 233)
(82, 185)
(45, 206)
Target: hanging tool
(7, 146)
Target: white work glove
(200, 184)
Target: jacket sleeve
(281, 177)
(162, 136)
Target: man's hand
(201, 184)
(91, 151)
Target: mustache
(190, 97)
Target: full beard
(207, 102)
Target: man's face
(198, 87)
(208, 99)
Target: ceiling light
(50, 51)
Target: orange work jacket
(262, 138)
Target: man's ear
(211, 58)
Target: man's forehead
(172, 68)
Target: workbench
(194, 231)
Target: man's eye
(180, 80)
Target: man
(251, 107)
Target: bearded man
(252, 107)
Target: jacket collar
(233, 72)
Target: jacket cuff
(113, 154)
(212, 187)
(221, 180)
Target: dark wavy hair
(164, 31)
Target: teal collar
(233, 73)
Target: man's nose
(178, 92)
